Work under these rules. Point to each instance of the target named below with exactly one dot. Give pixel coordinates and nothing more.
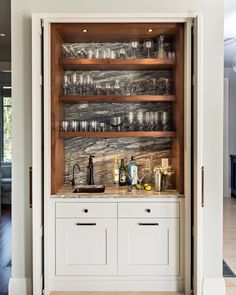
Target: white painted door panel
(148, 246)
(86, 247)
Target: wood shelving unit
(117, 64)
(170, 134)
(107, 33)
(116, 98)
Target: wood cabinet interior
(121, 32)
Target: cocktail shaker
(158, 180)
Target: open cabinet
(78, 51)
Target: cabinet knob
(148, 210)
(85, 210)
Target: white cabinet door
(86, 246)
(148, 246)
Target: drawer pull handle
(148, 210)
(85, 210)
(151, 224)
(85, 224)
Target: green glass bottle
(122, 173)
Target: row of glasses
(76, 83)
(149, 121)
(135, 49)
(83, 126)
(135, 121)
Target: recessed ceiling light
(150, 30)
(2, 35)
(84, 30)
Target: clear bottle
(122, 173)
(161, 50)
(115, 170)
(132, 177)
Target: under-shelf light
(150, 30)
(2, 35)
(84, 30)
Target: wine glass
(134, 45)
(151, 120)
(140, 120)
(147, 121)
(117, 87)
(131, 120)
(166, 120)
(148, 44)
(66, 84)
(122, 53)
(74, 83)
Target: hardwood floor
(230, 242)
(5, 250)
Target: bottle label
(134, 175)
(122, 177)
(116, 175)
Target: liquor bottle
(122, 173)
(132, 177)
(115, 170)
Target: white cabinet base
(136, 285)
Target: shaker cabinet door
(86, 247)
(148, 246)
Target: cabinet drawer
(86, 210)
(148, 210)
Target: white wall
(213, 109)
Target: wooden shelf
(116, 98)
(117, 64)
(118, 134)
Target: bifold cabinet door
(148, 246)
(86, 247)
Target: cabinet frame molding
(47, 19)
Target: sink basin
(89, 189)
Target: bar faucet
(90, 178)
(73, 174)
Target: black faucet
(73, 174)
(90, 178)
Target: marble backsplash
(148, 153)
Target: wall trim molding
(20, 286)
(213, 286)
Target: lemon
(138, 186)
(148, 188)
(146, 184)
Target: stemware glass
(166, 120)
(122, 53)
(147, 121)
(134, 45)
(148, 44)
(98, 88)
(117, 87)
(93, 126)
(83, 126)
(74, 125)
(80, 84)
(66, 84)
(65, 126)
(140, 120)
(131, 121)
(157, 120)
(151, 122)
(74, 83)
(108, 88)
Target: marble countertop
(116, 192)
